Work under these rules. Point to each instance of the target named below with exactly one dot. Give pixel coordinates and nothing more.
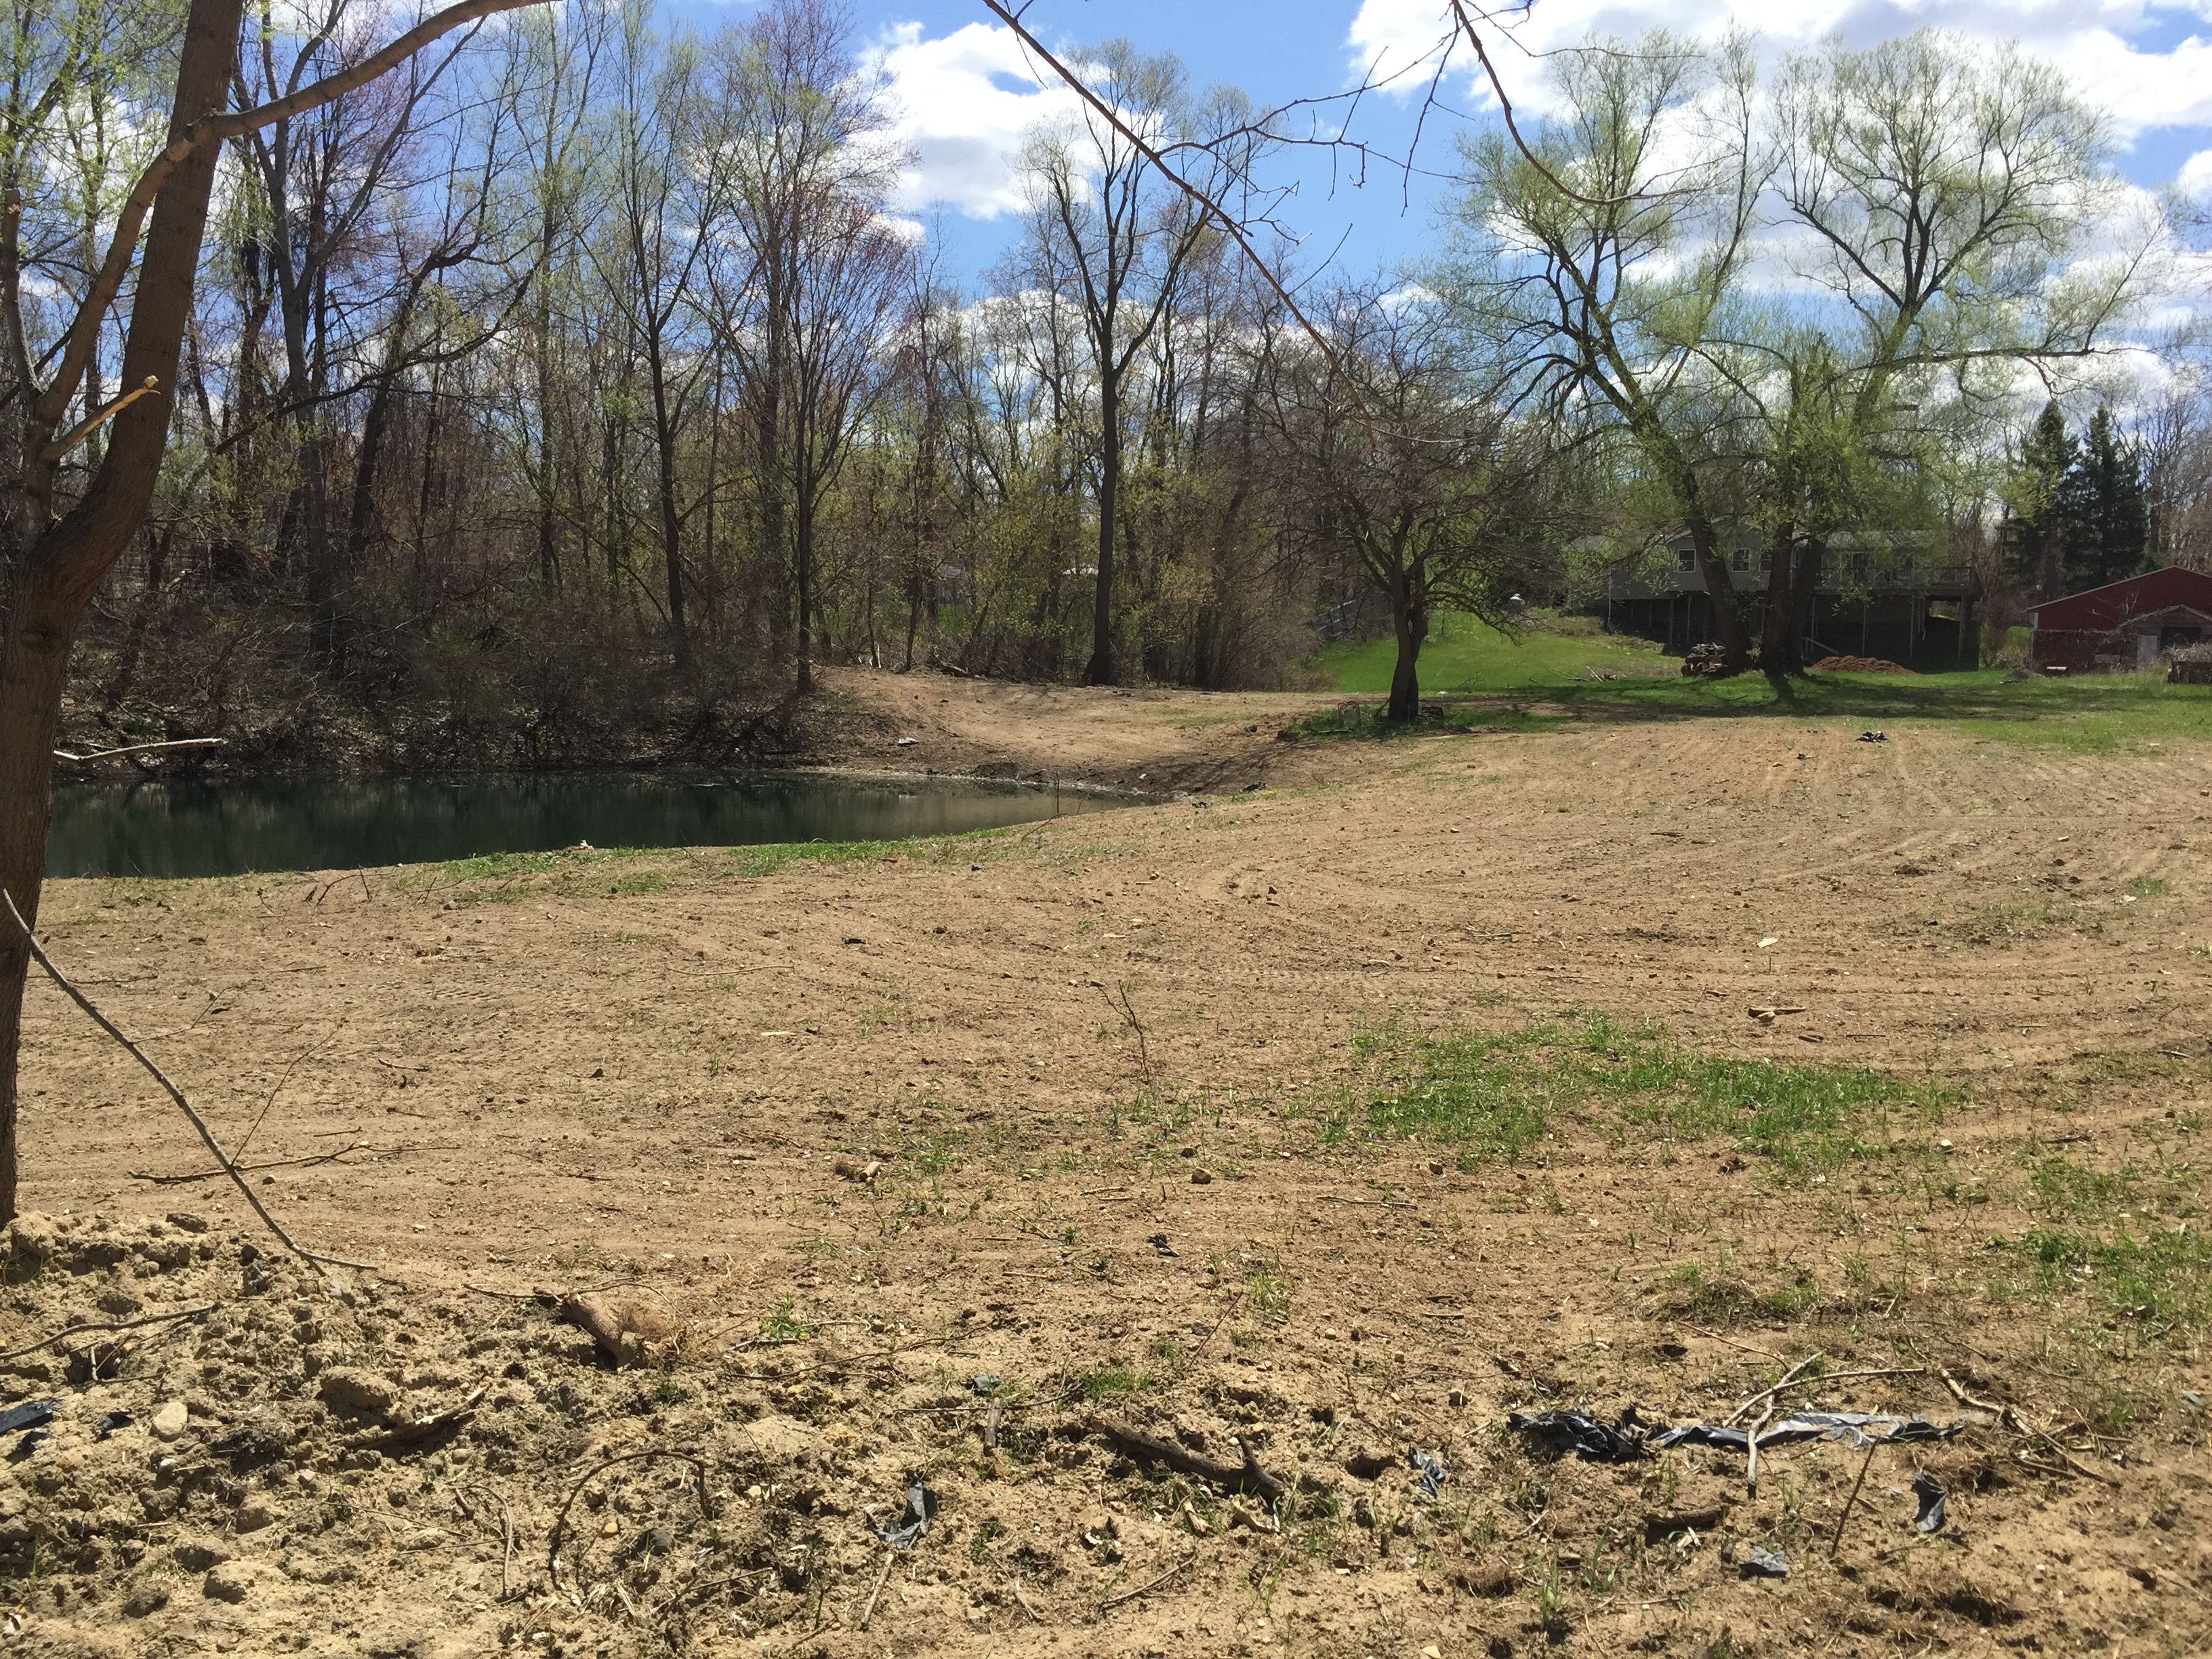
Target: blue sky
(967, 96)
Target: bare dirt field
(1433, 1081)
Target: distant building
(2123, 625)
(1896, 604)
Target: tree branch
(84, 330)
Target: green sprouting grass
(1108, 1380)
(1496, 1097)
(1464, 654)
(2062, 1188)
(768, 859)
(2163, 1278)
(1725, 1301)
(1269, 1290)
(2148, 887)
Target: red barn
(2123, 625)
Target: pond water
(229, 827)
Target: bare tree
(1396, 451)
(55, 550)
(1112, 235)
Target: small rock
(198, 1554)
(188, 1221)
(1200, 1178)
(170, 1420)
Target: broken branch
(68, 1331)
(1246, 1477)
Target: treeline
(579, 389)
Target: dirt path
(651, 1071)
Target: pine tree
(2102, 502)
(2036, 534)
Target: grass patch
(2062, 1188)
(768, 859)
(2148, 887)
(1496, 1097)
(2163, 1278)
(2096, 713)
(1109, 1381)
(1268, 1290)
(784, 1325)
(1466, 654)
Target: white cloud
(2195, 180)
(2094, 41)
(966, 99)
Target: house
(1898, 605)
(2123, 625)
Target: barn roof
(2117, 604)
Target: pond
(230, 828)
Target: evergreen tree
(2035, 534)
(2103, 505)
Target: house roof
(2117, 604)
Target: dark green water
(224, 829)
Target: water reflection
(216, 828)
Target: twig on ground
(882, 1578)
(1836, 1542)
(1829, 1377)
(1150, 1584)
(206, 1134)
(1751, 1463)
(1788, 1377)
(1248, 1477)
(190, 1176)
(119, 1325)
(2013, 1419)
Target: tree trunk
(54, 580)
(802, 570)
(1720, 594)
(671, 525)
(1410, 621)
(1100, 670)
(1777, 644)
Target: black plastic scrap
(921, 1508)
(29, 1415)
(1930, 1490)
(1429, 1467)
(1760, 1562)
(1872, 736)
(1583, 1435)
(1859, 1428)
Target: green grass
(2163, 1278)
(767, 860)
(1496, 1097)
(1109, 1381)
(1464, 654)
(2098, 713)
(2148, 887)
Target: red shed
(2123, 625)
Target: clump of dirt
(1858, 665)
